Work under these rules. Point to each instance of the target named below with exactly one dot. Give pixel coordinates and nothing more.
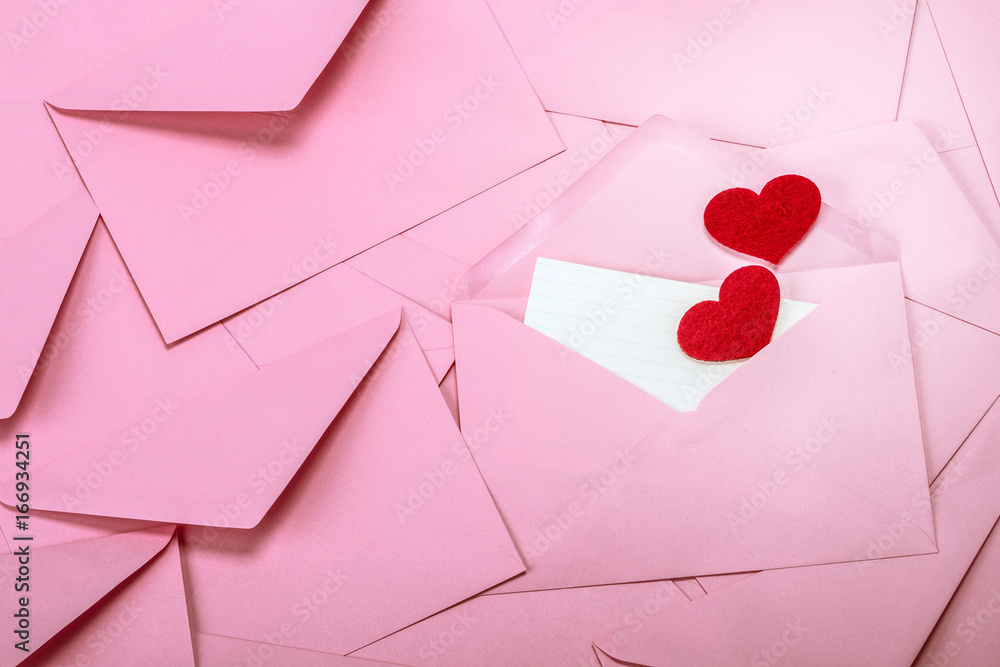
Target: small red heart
(765, 226)
(739, 324)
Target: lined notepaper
(627, 323)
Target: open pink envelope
(138, 622)
(601, 483)
(119, 416)
(78, 603)
(640, 210)
(46, 217)
(846, 613)
(391, 479)
(300, 167)
(759, 72)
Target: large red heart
(739, 324)
(765, 226)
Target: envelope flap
(846, 356)
(67, 579)
(243, 55)
(175, 472)
(36, 267)
(138, 623)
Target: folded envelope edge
(247, 519)
(173, 38)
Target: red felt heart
(765, 226)
(739, 324)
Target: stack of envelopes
(330, 332)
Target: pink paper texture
(263, 274)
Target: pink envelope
(391, 479)
(929, 97)
(46, 217)
(761, 72)
(122, 415)
(962, 636)
(344, 153)
(568, 471)
(72, 568)
(847, 613)
(969, 31)
(551, 628)
(138, 622)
